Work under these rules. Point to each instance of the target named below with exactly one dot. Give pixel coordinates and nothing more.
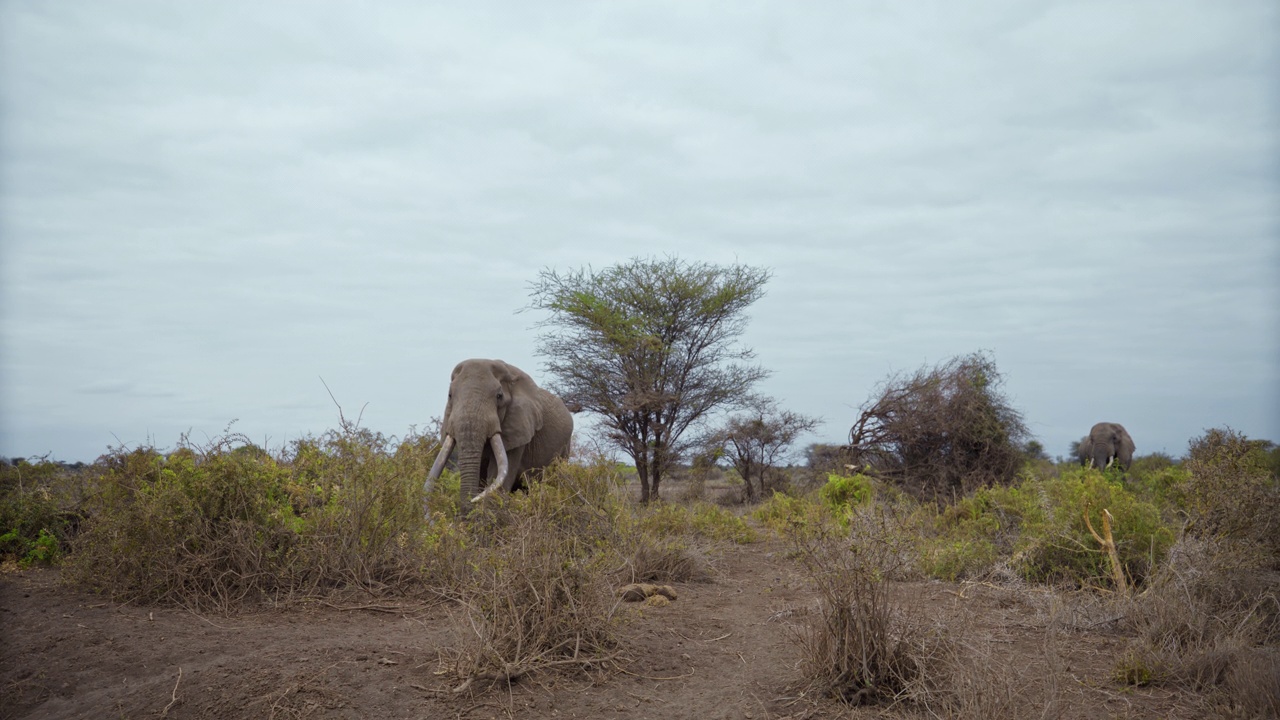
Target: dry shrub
(1205, 612)
(648, 558)
(201, 529)
(1231, 493)
(1252, 686)
(858, 647)
(962, 676)
(941, 432)
(209, 527)
(533, 603)
(1214, 606)
(538, 594)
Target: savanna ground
(723, 649)
(226, 582)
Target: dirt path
(722, 650)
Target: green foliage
(700, 518)
(1039, 526)
(958, 557)
(1057, 544)
(843, 492)
(649, 346)
(37, 503)
(200, 532)
(787, 515)
(1159, 484)
(972, 535)
(209, 527)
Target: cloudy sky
(205, 208)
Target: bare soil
(723, 649)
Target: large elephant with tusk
(502, 425)
(1106, 443)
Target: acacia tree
(756, 440)
(650, 347)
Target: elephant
(503, 426)
(1106, 443)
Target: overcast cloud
(204, 208)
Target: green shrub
(210, 527)
(955, 558)
(1056, 543)
(37, 510)
(717, 523)
(200, 533)
(787, 514)
(845, 491)
(700, 518)
(968, 538)
(1038, 526)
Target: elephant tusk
(499, 454)
(441, 458)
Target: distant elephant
(1106, 443)
(503, 426)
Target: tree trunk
(642, 471)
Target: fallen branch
(174, 695)
(1108, 544)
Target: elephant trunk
(468, 472)
(1101, 456)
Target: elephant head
(502, 425)
(1106, 443)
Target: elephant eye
(499, 396)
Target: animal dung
(638, 592)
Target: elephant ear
(523, 420)
(524, 415)
(1126, 443)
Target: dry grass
(538, 593)
(858, 646)
(963, 677)
(533, 603)
(861, 647)
(1203, 622)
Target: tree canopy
(756, 440)
(650, 347)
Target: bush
(198, 533)
(857, 647)
(702, 519)
(537, 591)
(843, 492)
(1057, 545)
(787, 515)
(1211, 613)
(941, 432)
(1201, 619)
(37, 510)
(1229, 492)
(1039, 526)
(210, 527)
